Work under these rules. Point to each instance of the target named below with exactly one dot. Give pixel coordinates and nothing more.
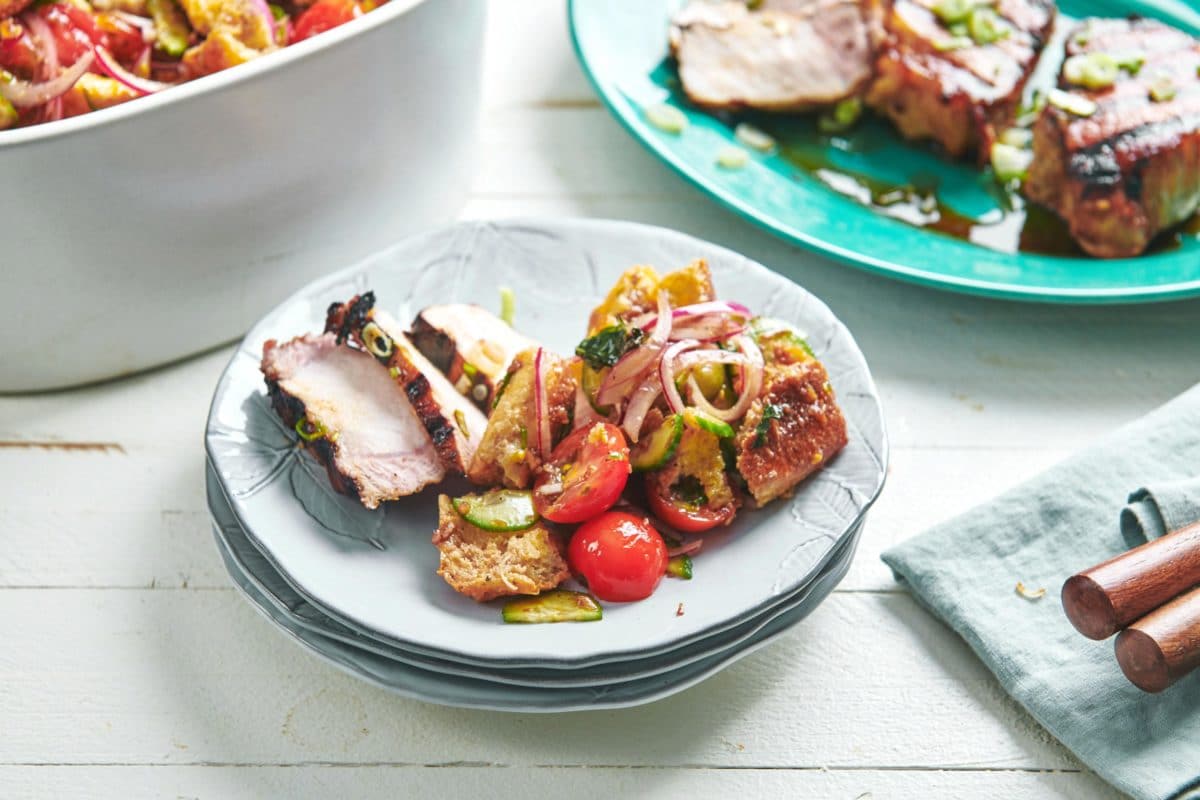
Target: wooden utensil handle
(1102, 600)
(1163, 646)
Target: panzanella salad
(676, 412)
(61, 59)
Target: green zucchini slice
(500, 510)
(654, 451)
(558, 605)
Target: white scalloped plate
(246, 563)
(272, 596)
(376, 571)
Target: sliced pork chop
(785, 55)
(356, 420)
(470, 345)
(935, 84)
(453, 421)
(1131, 169)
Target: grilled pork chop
(470, 345)
(359, 424)
(935, 84)
(1124, 173)
(785, 55)
(453, 422)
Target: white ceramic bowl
(136, 235)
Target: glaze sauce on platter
(911, 182)
(931, 198)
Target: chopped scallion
(1071, 103)
(1091, 70)
(508, 304)
(731, 157)
(754, 138)
(1010, 163)
(666, 118)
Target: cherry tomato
(17, 54)
(324, 15)
(123, 40)
(74, 30)
(585, 475)
(620, 555)
(679, 513)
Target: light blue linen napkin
(1067, 519)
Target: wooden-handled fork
(1150, 594)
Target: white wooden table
(129, 667)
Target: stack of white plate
(359, 588)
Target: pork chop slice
(470, 345)
(355, 420)
(452, 420)
(784, 55)
(933, 83)
(1131, 168)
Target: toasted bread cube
(507, 454)
(485, 565)
(790, 431)
(636, 292)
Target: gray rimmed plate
(264, 589)
(362, 568)
(251, 566)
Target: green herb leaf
(608, 345)
(763, 428)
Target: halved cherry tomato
(683, 515)
(585, 475)
(123, 40)
(75, 32)
(17, 53)
(324, 15)
(620, 555)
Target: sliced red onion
(662, 324)
(541, 415)
(686, 549)
(585, 415)
(709, 356)
(685, 314)
(23, 94)
(44, 41)
(640, 404)
(136, 83)
(666, 372)
(632, 366)
(625, 374)
(752, 381)
(709, 328)
(143, 24)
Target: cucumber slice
(558, 605)
(170, 26)
(654, 451)
(591, 378)
(500, 510)
(680, 567)
(701, 421)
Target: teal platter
(867, 197)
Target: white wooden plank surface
(132, 669)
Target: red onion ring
(630, 368)
(639, 406)
(719, 308)
(23, 94)
(585, 414)
(686, 549)
(143, 24)
(136, 83)
(666, 373)
(540, 401)
(752, 382)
